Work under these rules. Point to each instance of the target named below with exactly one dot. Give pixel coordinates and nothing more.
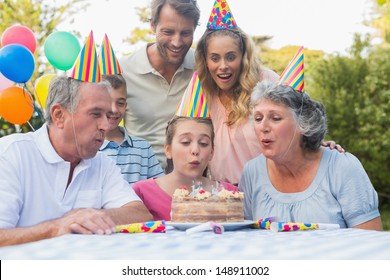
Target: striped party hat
(108, 63)
(193, 104)
(293, 75)
(221, 17)
(86, 67)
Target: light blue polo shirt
(341, 193)
(134, 156)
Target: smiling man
(53, 181)
(159, 72)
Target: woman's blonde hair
(249, 76)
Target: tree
(382, 20)
(356, 93)
(374, 119)
(278, 60)
(42, 17)
(141, 34)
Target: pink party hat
(86, 67)
(107, 61)
(293, 75)
(193, 104)
(221, 17)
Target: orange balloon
(16, 105)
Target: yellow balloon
(42, 88)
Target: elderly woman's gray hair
(309, 114)
(65, 91)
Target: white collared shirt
(33, 182)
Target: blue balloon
(16, 63)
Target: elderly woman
(295, 179)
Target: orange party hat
(108, 63)
(86, 67)
(193, 104)
(293, 75)
(221, 17)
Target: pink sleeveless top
(233, 145)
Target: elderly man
(53, 181)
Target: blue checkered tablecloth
(350, 244)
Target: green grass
(385, 215)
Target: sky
(326, 25)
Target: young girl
(189, 147)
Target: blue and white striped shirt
(134, 156)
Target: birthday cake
(203, 206)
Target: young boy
(133, 155)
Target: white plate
(227, 226)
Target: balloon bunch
(17, 64)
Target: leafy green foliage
(356, 93)
(381, 22)
(277, 60)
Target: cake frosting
(203, 206)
